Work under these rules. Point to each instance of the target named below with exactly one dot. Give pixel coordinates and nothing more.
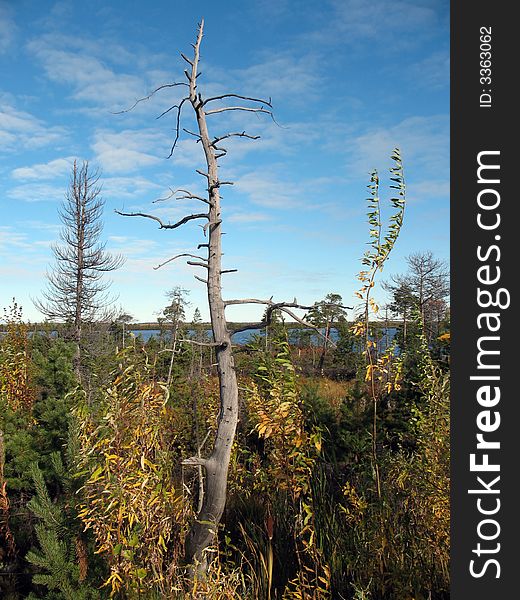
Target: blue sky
(349, 80)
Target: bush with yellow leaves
(131, 500)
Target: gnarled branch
(187, 195)
(214, 111)
(178, 124)
(257, 100)
(282, 306)
(178, 256)
(197, 264)
(237, 134)
(165, 225)
(161, 87)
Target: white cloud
(428, 189)
(265, 190)
(136, 188)
(423, 142)
(129, 150)
(21, 130)
(36, 192)
(91, 79)
(380, 22)
(10, 238)
(433, 72)
(131, 246)
(84, 64)
(50, 170)
(247, 217)
(41, 226)
(271, 190)
(283, 76)
(289, 79)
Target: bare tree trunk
(324, 348)
(174, 350)
(80, 228)
(204, 529)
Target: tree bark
(204, 529)
(80, 233)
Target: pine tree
(62, 556)
(76, 292)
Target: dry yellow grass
(332, 391)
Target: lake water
(244, 337)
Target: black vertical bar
(484, 127)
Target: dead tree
(76, 291)
(204, 528)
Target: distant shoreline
(231, 324)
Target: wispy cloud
(284, 76)
(42, 226)
(131, 246)
(130, 188)
(248, 217)
(129, 150)
(268, 191)
(271, 189)
(54, 168)
(8, 28)
(379, 22)
(10, 238)
(18, 248)
(433, 72)
(91, 79)
(19, 130)
(93, 69)
(36, 192)
(423, 140)
(429, 189)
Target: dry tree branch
(165, 225)
(197, 135)
(214, 111)
(272, 306)
(187, 195)
(165, 112)
(197, 264)
(186, 59)
(282, 306)
(208, 224)
(257, 100)
(238, 134)
(161, 87)
(203, 530)
(177, 126)
(177, 256)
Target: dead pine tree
(76, 292)
(203, 531)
